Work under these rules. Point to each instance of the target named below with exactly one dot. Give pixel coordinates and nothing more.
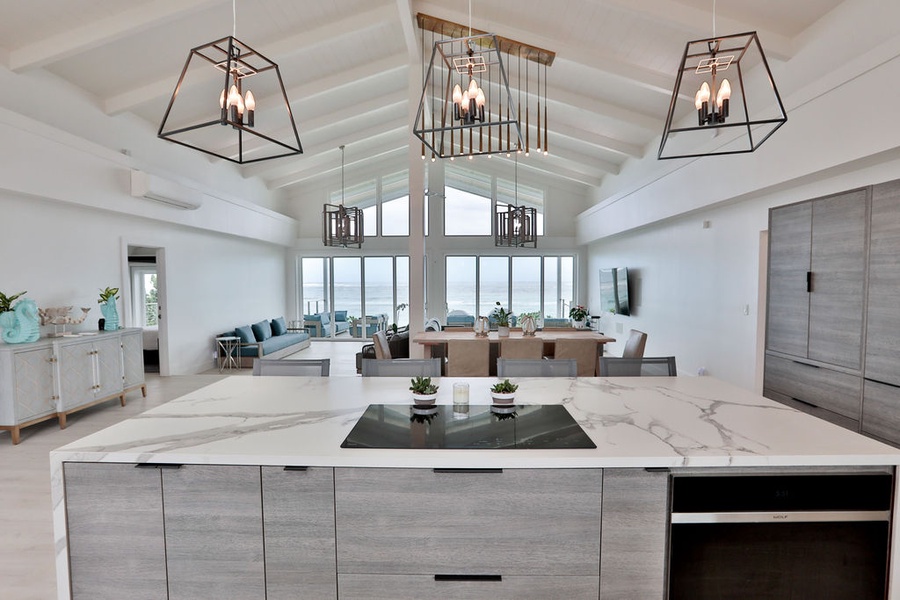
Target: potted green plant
(504, 392)
(423, 390)
(7, 301)
(501, 315)
(578, 314)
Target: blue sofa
(458, 320)
(320, 324)
(269, 339)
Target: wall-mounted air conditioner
(158, 189)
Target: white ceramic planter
(424, 398)
(503, 398)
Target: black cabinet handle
(804, 402)
(797, 362)
(455, 577)
(809, 281)
(656, 469)
(157, 466)
(893, 385)
(467, 470)
(295, 468)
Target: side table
(228, 352)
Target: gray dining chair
(401, 367)
(309, 367)
(528, 367)
(648, 366)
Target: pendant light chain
(342, 174)
(234, 18)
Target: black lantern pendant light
(242, 125)
(516, 225)
(342, 226)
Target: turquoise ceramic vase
(110, 315)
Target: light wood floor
(27, 557)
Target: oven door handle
(812, 516)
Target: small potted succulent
(504, 392)
(423, 391)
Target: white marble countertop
(635, 422)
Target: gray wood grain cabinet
(633, 535)
(883, 316)
(817, 263)
(214, 533)
(116, 534)
(424, 587)
(199, 531)
(299, 533)
(455, 524)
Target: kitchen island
(242, 489)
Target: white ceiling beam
(604, 109)
(594, 139)
(326, 162)
(294, 45)
(105, 31)
(698, 23)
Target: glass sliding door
(526, 286)
(460, 291)
(493, 283)
(348, 293)
(314, 285)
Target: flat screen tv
(614, 291)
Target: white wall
(62, 254)
(691, 284)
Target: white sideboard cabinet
(54, 377)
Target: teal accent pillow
(246, 334)
(340, 315)
(278, 326)
(262, 331)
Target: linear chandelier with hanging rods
(239, 124)
(467, 108)
(342, 226)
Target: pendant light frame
(342, 227)
(755, 110)
(516, 226)
(237, 63)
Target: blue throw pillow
(262, 331)
(340, 315)
(246, 334)
(278, 326)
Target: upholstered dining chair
(309, 367)
(583, 351)
(528, 367)
(468, 357)
(634, 347)
(522, 347)
(401, 367)
(382, 349)
(647, 366)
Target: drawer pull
(456, 577)
(893, 385)
(157, 466)
(805, 403)
(797, 362)
(295, 468)
(656, 469)
(467, 470)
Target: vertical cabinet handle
(809, 281)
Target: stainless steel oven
(810, 536)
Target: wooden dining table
(435, 342)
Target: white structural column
(416, 184)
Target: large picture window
(369, 293)
(539, 285)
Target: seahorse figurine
(21, 324)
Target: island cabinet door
(298, 505)
(214, 534)
(463, 522)
(115, 532)
(425, 587)
(633, 534)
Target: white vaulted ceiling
(346, 63)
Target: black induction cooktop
(476, 427)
